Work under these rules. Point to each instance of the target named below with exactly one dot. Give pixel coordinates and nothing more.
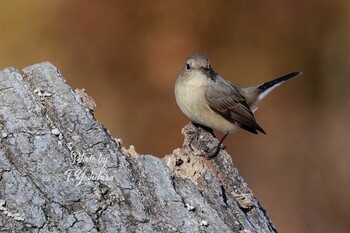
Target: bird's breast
(190, 97)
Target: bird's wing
(225, 99)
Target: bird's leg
(196, 133)
(195, 136)
(214, 152)
(210, 130)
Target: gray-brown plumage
(229, 102)
(208, 99)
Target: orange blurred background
(127, 55)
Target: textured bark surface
(61, 171)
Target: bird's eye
(187, 67)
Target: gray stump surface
(61, 171)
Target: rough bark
(46, 129)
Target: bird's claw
(215, 151)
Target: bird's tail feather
(267, 87)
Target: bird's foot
(203, 144)
(210, 130)
(215, 151)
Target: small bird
(210, 100)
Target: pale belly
(191, 101)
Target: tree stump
(61, 171)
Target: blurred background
(127, 55)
